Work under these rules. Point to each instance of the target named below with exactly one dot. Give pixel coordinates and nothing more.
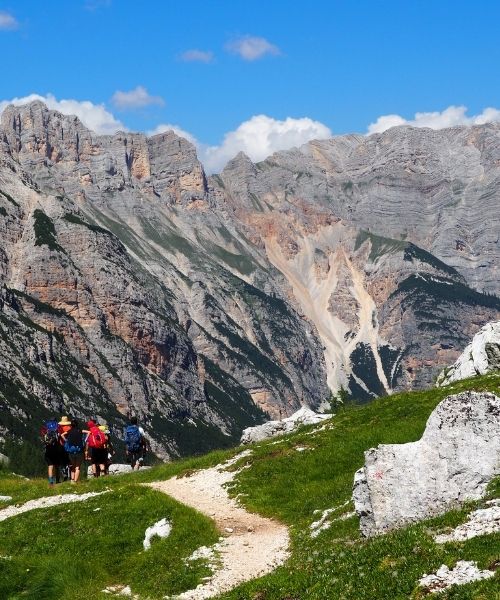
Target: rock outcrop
(463, 572)
(303, 416)
(457, 456)
(481, 356)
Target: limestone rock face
(457, 456)
(115, 259)
(134, 283)
(304, 416)
(481, 356)
(387, 243)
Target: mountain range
(131, 282)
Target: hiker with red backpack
(110, 451)
(74, 445)
(64, 462)
(95, 449)
(136, 444)
(50, 437)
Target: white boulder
(304, 416)
(117, 469)
(483, 521)
(160, 529)
(481, 356)
(457, 456)
(463, 572)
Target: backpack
(133, 438)
(50, 433)
(97, 438)
(74, 442)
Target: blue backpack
(74, 442)
(133, 438)
(51, 433)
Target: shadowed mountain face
(130, 282)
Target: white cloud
(8, 21)
(93, 116)
(259, 137)
(177, 130)
(136, 98)
(204, 56)
(252, 48)
(450, 117)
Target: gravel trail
(252, 546)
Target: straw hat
(64, 421)
(104, 428)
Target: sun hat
(104, 428)
(64, 421)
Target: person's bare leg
(77, 471)
(50, 474)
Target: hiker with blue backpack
(74, 445)
(50, 437)
(135, 443)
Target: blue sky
(209, 66)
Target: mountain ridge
(202, 303)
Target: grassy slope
(281, 482)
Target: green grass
(45, 233)
(76, 220)
(81, 548)
(281, 483)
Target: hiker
(74, 445)
(136, 444)
(64, 462)
(95, 449)
(110, 451)
(50, 437)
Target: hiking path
(251, 545)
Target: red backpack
(97, 438)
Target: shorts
(63, 456)
(98, 456)
(52, 455)
(76, 459)
(135, 457)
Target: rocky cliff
(131, 282)
(479, 357)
